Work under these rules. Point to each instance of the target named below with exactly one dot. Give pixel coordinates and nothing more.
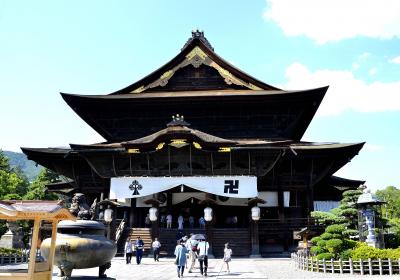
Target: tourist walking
(128, 251)
(180, 222)
(156, 245)
(180, 257)
(202, 249)
(169, 220)
(227, 256)
(202, 222)
(191, 246)
(139, 245)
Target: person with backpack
(191, 246)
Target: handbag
(176, 261)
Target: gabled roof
(196, 52)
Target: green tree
(38, 190)
(4, 163)
(391, 195)
(341, 224)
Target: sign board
(229, 186)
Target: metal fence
(13, 258)
(362, 267)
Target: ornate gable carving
(196, 58)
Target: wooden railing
(362, 267)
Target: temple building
(199, 132)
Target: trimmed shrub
(326, 236)
(315, 240)
(326, 256)
(9, 251)
(364, 252)
(321, 243)
(346, 254)
(334, 245)
(338, 229)
(316, 250)
(350, 244)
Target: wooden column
(132, 214)
(255, 240)
(155, 226)
(52, 245)
(32, 253)
(209, 236)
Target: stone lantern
(367, 219)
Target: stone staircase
(168, 239)
(145, 235)
(238, 238)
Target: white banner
(230, 186)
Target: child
(227, 256)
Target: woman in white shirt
(202, 257)
(227, 256)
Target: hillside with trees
(20, 161)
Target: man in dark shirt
(139, 245)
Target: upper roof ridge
(198, 34)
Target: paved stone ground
(240, 269)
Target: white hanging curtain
(325, 206)
(229, 186)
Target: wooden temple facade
(233, 125)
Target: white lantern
(208, 214)
(255, 213)
(153, 214)
(108, 215)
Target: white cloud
(355, 66)
(345, 91)
(364, 56)
(395, 60)
(335, 20)
(372, 147)
(372, 71)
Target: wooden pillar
(310, 190)
(255, 240)
(209, 235)
(155, 225)
(32, 253)
(133, 213)
(53, 245)
(169, 202)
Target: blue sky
(95, 47)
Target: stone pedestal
(11, 240)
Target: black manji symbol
(231, 186)
(135, 186)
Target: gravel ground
(240, 269)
